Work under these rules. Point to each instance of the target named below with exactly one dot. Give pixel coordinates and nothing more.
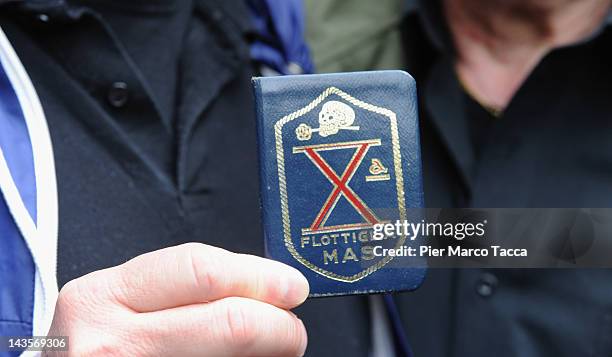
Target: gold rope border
(280, 157)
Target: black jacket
(128, 181)
(550, 148)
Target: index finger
(195, 273)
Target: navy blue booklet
(339, 156)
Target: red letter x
(340, 183)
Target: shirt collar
(431, 15)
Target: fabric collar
(432, 16)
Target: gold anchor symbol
(379, 171)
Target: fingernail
(294, 288)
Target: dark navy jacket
(550, 148)
(129, 180)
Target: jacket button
(44, 18)
(486, 285)
(118, 94)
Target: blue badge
(340, 156)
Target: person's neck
(499, 42)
